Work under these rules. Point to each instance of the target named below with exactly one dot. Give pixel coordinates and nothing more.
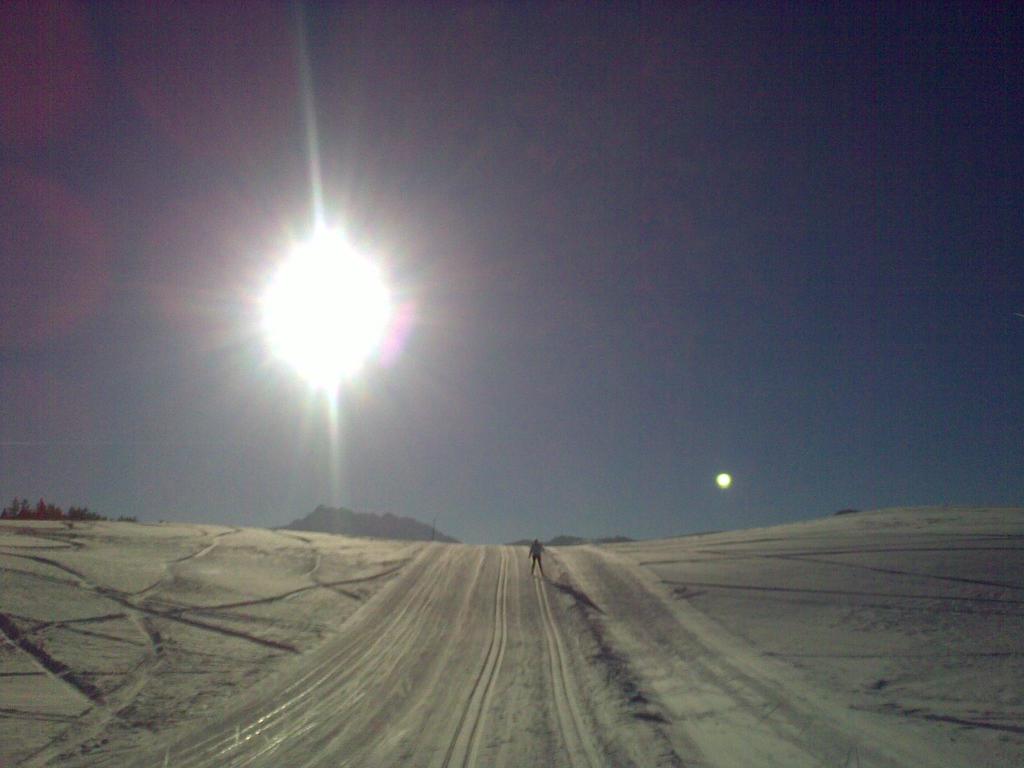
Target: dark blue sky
(644, 243)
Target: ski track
(298, 696)
(579, 743)
(136, 609)
(443, 665)
(102, 710)
(394, 668)
(171, 565)
(466, 741)
(143, 612)
(55, 668)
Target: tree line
(23, 509)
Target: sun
(326, 310)
(724, 480)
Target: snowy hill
(885, 638)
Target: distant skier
(535, 551)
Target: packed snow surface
(888, 638)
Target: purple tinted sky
(644, 243)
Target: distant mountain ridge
(572, 541)
(344, 521)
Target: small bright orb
(724, 480)
(326, 310)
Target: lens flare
(326, 310)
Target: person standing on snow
(535, 551)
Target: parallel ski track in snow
(465, 744)
(295, 713)
(327, 714)
(581, 749)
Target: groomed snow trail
(465, 745)
(582, 751)
(462, 661)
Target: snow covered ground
(889, 638)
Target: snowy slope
(888, 638)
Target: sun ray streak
(335, 440)
(309, 115)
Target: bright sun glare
(325, 310)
